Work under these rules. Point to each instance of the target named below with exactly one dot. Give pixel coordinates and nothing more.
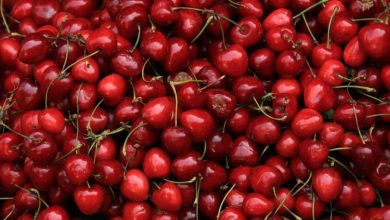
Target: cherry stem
(371, 97)
(282, 204)
(345, 167)
(309, 8)
(3, 17)
(303, 185)
(66, 55)
(208, 21)
(379, 198)
(128, 136)
(77, 61)
(9, 214)
(313, 205)
(6, 198)
(89, 129)
(143, 72)
(285, 198)
(193, 179)
(156, 185)
(13, 131)
(377, 115)
(196, 200)
(223, 200)
(335, 10)
(222, 32)
(261, 109)
(340, 148)
(212, 83)
(366, 19)
(204, 151)
(309, 29)
(357, 124)
(263, 152)
(176, 101)
(368, 89)
(138, 38)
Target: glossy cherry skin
(112, 88)
(313, 153)
(385, 76)
(52, 120)
(232, 213)
(27, 95)
(245, 88)
(322, 52)
(176, 140)
(353, 54)
(370, 77)
(280, 38)
(256, 205)
(330, 134)
(277, 18)
(289, 63)
(287, 144)
(380, 176)
(129, 18)
(332, 71)
(374, 39)
(346, 115)
(178, 55)
(367, 193)
(145, 135)
(162, 14)
(84, 96)
(102, 40)
(159, 112)
(198, 122)
(209, 203)
(238, 121)
(218, 145)
(12, 174)
(9, 49)
(55, 84)
(33, 49)
(128, 110)
(89, 199)
(327, 183)
(97, 121)
(262, 62)
(232, 61)
(9, 147)
(306, 123)
(284, 106)
(343, 28)
(220, 102)
(40, 148)
(263, 178)
(168, 197)
(248, 33)
(137, 211)
(154, 45)
(304, 207)
(156, 163)
(79, 168)
(349, 197)
(263, 130)
(108, 172)
(43, 11)
(235, 198)
(127, 62)
(187, 166)
(243, 152)
(86, 70)
(189, 24)
(319, 95)
(57, 212)
(135, 185)
(214, 176)
(288, 86)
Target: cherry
(154, 44)
(313, 153)
(79, 8)
(256, 205)
(287, 145)
(162, 13)
(238, 121)
(156, 163)
(251, 8)
(67, 53)
(218, 145)
(323, 52)
(243, 152)
(78, 168)
(327, 183)
(143, 135)
(289, 63)
(305, 206)
(187, 194)
(330, 134)
(87, 69)
(373, 39)
(57, 212)
(343, 28)
(264, 178)
(168, 197)
(353, 53)
(220, 102)
(9, 48)
(278, 18)
(385, 76)
(262, 62)
(332, 72)
(232, 61)
(27, 95)
(245, 88)
(349, 196)
(380, 175)
(10, 149)
(280, 164)
(281, 38)
(52, 120)
(130, 19)
(306, 123)
(232, 213)
(57, 195)
(178, 55)
(284, 106)
(33, 49)
(247, 33)
(137, 211)
(112, 88)
(240, 176)
(21, 9)
(40, 148)
(235, 198)
(198, 122)
(108, 172)
(89, 199)
(213, 77)
(43, 177)
(369, 77)
(189, 24)
(43, 11)
(94, 120)
(52, 78)
(159, 112)
(287, 86)
(263, 130)
(186, 166)
(128, 110)
(209, 203)
(367, 193)
(350, 116)
(135, 185)
(213, 175)
(127, 62)
(176, 140)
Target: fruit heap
(195, 109)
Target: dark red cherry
(43, 11)
(131, 20)
(289, 63)
(198, 122)
(264, 178)
(245, 88)
(79, 168)
(262, 62)
(178, 55)
(176, 140)
(277, 18)
(127, 62)
(159, 112)
(108, 172)
(248, 33)
(243, 152)
(214, 176)
(232, 61)
(220, 102)
(162, 13)
(189, 24)
(366, 156)
(186, 166)
(319, 95)
(313, 153)
(33, 49)
(281, 38)
(218, 145)
(40, 148)
(350, 115)
(10, 149)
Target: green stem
(330, 25)
(309, 29)
(343, 166)
(309, 8)
(176, 101)
(208, 21)
(223, 200)
(368, 89)
(3, 17)
(77, 61)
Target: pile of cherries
(195, 109)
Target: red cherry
(238, 121)
(220, 102)
(43, 11)
(232, 213)
(9, 147)
(186, 166)
(214, 176)
(112, 88)
(353, 54)
(330, 134)
(89, 199)
(289, 63)
(367, 193)
(332, 72)
(306, 123)
(156, 163)
(256, 205)
(97, 121)
(40, 148)
(304, 207)
(86, 70)
(9, 49)
(251, 8)
(385, 76)
(108, 172)
(130, 19)
(189, 24)
(263, 178)
(168, 197)
(218, 145)
(232, 61)
(323, 52)
(154, 45)
(343, 28)
(57, 212)
(159, 112)
(245, 88)
(33, 49)
(178, 55)
(346, 115)
(278, 18)
(288, 86)
(243, 152)
(284, 106)
(373, 39)
(287, 144)
(51, 120)
(313, 153)
(209, 203)
(263, 130)
(349, 197)
(176, 140)
(198, 122)
(262, 62)
(84, 96)
(135, 185)
(162, 13)
(127, 62)
(248, 33)
(137, 211)
(281, 38)
(319, 95)
(78, 168)
(327, 183)
(43, 177)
